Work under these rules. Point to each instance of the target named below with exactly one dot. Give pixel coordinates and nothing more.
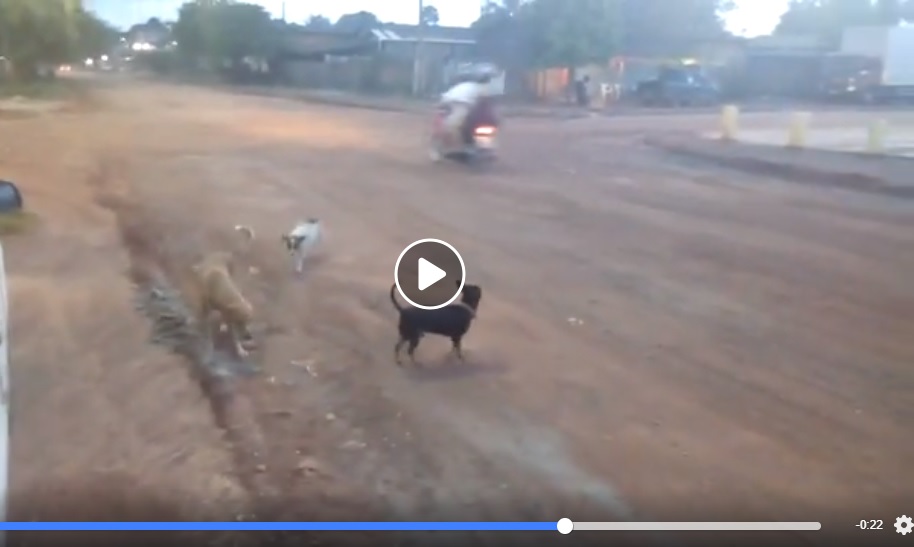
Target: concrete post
(729, 121)
(798, 130)
(875, 138)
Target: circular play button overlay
(430, 274)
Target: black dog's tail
(393, 297)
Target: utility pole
(283, 11)
(417, 54)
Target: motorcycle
(479, 135)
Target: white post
(875, 141)
(729, 122)
(798, 130)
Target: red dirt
(745, 351)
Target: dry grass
(64, 94)
(17, 222)
(48, 89)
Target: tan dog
(217, 292)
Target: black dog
(452, 321)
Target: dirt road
(745, 349)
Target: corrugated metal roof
(431, 34)
(385, 34)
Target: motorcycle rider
(461, 99)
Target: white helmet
(475, 72)
(483, 72)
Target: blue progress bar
(278, 526)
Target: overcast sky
(752, 17)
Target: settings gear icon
(904, 524)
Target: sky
(750, 18)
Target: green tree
(575, 32)
(223, 32)
(670, 27)
(501, 37)
(429, 16)
(571, 32)
(359, 22)
(829, 18)
(34, 33)
(318, 22)
(94, 36)
(189, 28)
(153, 31)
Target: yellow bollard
(799, 127)
(875, 138)
(729, 121)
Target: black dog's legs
(458, 350)
(411, 350)
(397, 349)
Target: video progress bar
(566, 526)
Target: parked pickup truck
(678, 86)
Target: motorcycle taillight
(484, 130)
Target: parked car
(678, 86)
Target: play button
(429, 274)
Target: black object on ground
(10, 198)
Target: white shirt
(464, 92)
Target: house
(376, 59)
(439, 44)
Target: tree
(153, 31)
(318, 22)
(429, 16)
(502, 38)
(188, 30)
(575, 32)
(95, 37)
(571, 33)
(359, 22)
(495, 19)
(829, 18)
(594, 29)
(46, 32)
(153, 26)
(670, 27)
(549, 33)
(222, 31)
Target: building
(782, 66)
(379, 59)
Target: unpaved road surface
(744, 350)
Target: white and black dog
(301, 240)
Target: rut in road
(159, 256)
(156, 276)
